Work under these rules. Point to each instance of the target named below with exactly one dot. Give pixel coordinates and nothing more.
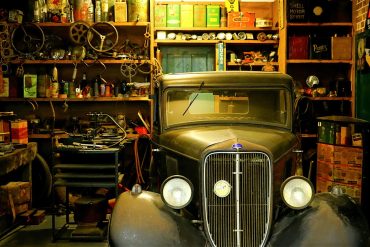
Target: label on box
(160, 15)
(320, 47)
(19, 131)
(213, 15)
(187, 16)
(298, 47)
(240, 19)
(297, 10)
(173, 15)
(200, 15)
(29, 86)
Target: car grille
(243, 217)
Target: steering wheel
(78, 32)
(102, 36)
(27, 38)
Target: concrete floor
(41, 235)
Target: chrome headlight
(177, 191)
(297, 192)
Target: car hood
(192, 142)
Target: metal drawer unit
(82, 170)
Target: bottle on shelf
(98, 11)
(104, 10)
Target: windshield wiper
(192, 101)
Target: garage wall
(359, 12)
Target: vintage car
(228, 166)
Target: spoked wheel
(78, 32)
(102, 36)
(27, 39)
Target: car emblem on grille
(237, 146)
(222, 188)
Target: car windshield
(267, 106)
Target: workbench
(16, 166)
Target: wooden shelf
(331, 98)
(252, 64)
(307, 135)
(299, 61)
(91, 99)
(317, 24)
(225, 29)
(116, 24)
(255, 42)
(105, 61)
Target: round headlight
(177, 191)
(297, 192)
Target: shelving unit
(326, 69)
(166, 49)
(343, 152)
(92, 169)
(108, 66)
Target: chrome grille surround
(243, 218)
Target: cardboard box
(200, 15)
(120, 12)
(347, 175)
(325, 171)
(187, 15)
(15, 197)
(173, 15)
(240, 19)
(29, 86)
(298, 47)
(213, 15)
(4, 131)
(160, 15)
(341, 48)
(352, 156)
(19, 131)
(320, 47)
(323, 185)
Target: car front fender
(144, 220)
(330, 220)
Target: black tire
(41, 181)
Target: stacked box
(320, 47)
(173, 15)
(19, 131)
(340, 154)
(339, 166)
(15, 197)
(346, 174)
(213, 15)
(298, 47)
(160, 15)
(240, 19)
(4, 131)
(341, 48)
(200, 15)
(187, 15)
